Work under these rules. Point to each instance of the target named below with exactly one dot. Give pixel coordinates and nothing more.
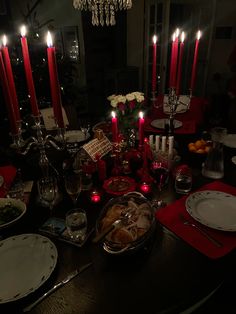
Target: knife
(57, 286)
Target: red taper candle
(7, 97)
(171, 82)
(28, 73)
(141, 128)
(10, 78)
(54, 82)
(194, 68)
(154, 63)
(175, 61)
(114, 122)
(179, 73)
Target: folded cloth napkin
(8, 173)
(169, 217)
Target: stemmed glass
(73, 185)
(85, 127)
(47, 188)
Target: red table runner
(8, 173)
(169, 217)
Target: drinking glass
(160, 172)
(85, 127)
(76, 224)
(73, 185)
(183, 179)
(47, 188)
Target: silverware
(203, 232)
(119, 222)
(57, 286)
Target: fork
(203, 232)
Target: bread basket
(134, 234)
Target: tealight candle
(145, 187)
(95, 197)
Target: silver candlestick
(41, 142)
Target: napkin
(8, 173)
(169, 217)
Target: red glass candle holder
(95, 196)
(145, 187)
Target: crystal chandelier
(103, 11)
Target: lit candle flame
(4, 40)
(49, 39)
(199, 35)
(141, 115)
(23, 31)
(173, 37)
(182, 37)
(154, 39)
(177, 32)
(113, 114)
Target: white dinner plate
(75, 136)
(214, 209)
(26, 262)
(15, 203)
(230, 140)
(160, 123)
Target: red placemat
(8, 173)
(169, 217)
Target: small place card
(48, 118)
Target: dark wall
(105, 52)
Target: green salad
(8, 213)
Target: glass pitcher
(214, 165)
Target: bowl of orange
(198, 151)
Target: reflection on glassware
(214, 164)
(47, 188)
(160, 173)
(85, 127)
(73, 185)
(183, 179)
(76, 223)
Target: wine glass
(47, 188)
(73, 185)
(85, 127)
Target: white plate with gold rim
(26, 262)
(213, 209)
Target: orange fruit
(198, 144)
(190, 144)
(192, 148)
(200, 151)
(207, 148)
(203, 142)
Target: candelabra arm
(53, 144)
(30, 142)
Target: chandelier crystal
(103, 11)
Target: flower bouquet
(127, 108)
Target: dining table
(177, 271)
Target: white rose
(130, 97)
(114, 102)
(121, 99)
(140, 98)
(111, 97)
(137, 94)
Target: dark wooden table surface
(165, 276)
